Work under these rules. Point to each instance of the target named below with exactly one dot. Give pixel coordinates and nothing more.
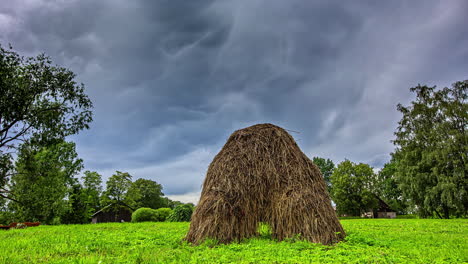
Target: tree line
(428, 170)
(45, 187)
(41, 104)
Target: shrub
(163, 213)
(182, 213)
(144, 215)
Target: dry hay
(261, 175)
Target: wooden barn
(115, 212)
(383, 211)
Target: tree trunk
(446, 212)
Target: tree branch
(24, 130)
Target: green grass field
(368, 241)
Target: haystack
(261, 176)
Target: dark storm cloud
(172, 79)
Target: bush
(144, 215)
(163, 213)
(182, 213)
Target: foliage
(326, 167)
(170, 203)
(39, 102)
(368, 241)
(43, 177)
(117, 186)
(149, 214)
(92, 190)
(163, 213)
(182, 213)
(431, 153)
(145, 193)
(6, 217)
(144, 215)
(352, 188)
(77, 211)
(387, 188)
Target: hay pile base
(261, 175)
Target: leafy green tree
(170, 203)
(432, 148)
(326, 166)
(352, 188)
(145, 193)
(77, 209)
(38, 102)
(117, 187)
(92, 190)
(388, 190)
(44, 176)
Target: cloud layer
(171, 79)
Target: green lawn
(368, 241)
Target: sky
(172, 79)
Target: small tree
(145, 193)
(118, 185)
(44, 177)
(77, 210)
(387, 188)
(92, 191)
(326, 167)
(352, 188)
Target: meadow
(367, 241)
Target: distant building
(114, 212)
(383, 211)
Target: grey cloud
(171, 77)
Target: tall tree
(117, 186)
(92, 190)
(44, 176)
(145, 193)
(432, 148)
(38, 102)
(77, 210)
(326, 166)
(352, 188)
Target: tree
(44, 176)
(118, 185)
(170, 203)
(352, 188)
(39, 102)
(77, 209)
(388, 190)
(145, 193)
(431, 150)
(92, 191)
(326, 166)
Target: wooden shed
(114, 212)
(383, 211)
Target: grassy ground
(368, 241)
